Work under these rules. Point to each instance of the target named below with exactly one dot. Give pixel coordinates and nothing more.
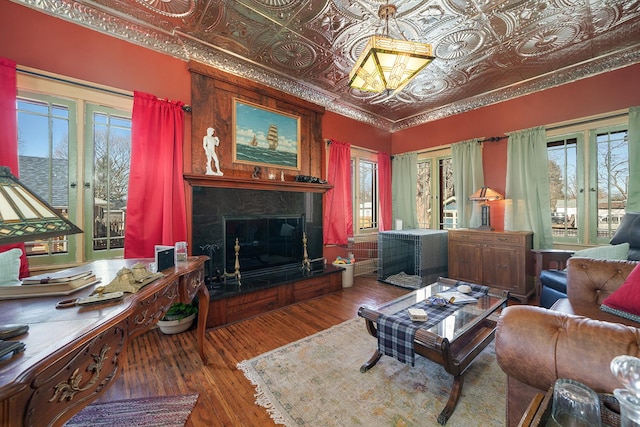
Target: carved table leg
(456, 389)
(371, 362)
(203, 310)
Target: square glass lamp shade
(24, 216)
(389, 64)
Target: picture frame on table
(265, 137)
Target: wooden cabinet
(491, 258)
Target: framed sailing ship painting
(265, 137)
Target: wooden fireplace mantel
(254, 184)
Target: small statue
(210, 142)
(257, 172)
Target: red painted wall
(37, 40)
(343, 129)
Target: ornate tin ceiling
(486, 51)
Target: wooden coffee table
(454, 342)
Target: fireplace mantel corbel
(254, 184)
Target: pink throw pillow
(626, 298)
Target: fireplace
(268, 224)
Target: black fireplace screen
(268, 241)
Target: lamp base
(486, 228)
(485, 213)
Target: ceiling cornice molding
(184, 47)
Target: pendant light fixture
(386, 63)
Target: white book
(458, 297)
(418, 314)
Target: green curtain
(528, 185)
(404, 188)
(468, 176)
(633, 196)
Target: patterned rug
(317, 382)
(162, 411)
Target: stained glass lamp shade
(24, 216)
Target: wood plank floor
(158, 364)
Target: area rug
(317, 381)
(162, 411)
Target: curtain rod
(583, 122)
(328, 142)
(186, 108)
(493, 139)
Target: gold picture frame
(265, 137)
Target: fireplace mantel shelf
(254, 184)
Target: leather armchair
(535, 346)
(550, 264)
(575, 339)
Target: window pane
(367, 209)
(563, 181)
(424, 195)
(111, 160)
(612, 180)
(43, 156)
(448, 210)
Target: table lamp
(484, 195)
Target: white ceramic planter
(176, 326)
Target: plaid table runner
(397, 332)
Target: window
(611, 167)
(74, 152)
(364, 182)
(44, 132)
(564, 174)
(435, 189)
(108, 160)
(588, 177)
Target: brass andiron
(306, 264)
(236, 266)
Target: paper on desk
(459, 297)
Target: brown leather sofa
(574, 339)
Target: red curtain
(338, 216)
(9, 137)
(156, 210)
(384, 191)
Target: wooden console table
(73, 354)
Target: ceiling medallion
(170, 8)
(548, 39)
(293, 55)
(460, 44)
(386, 63)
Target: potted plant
(178, 318)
